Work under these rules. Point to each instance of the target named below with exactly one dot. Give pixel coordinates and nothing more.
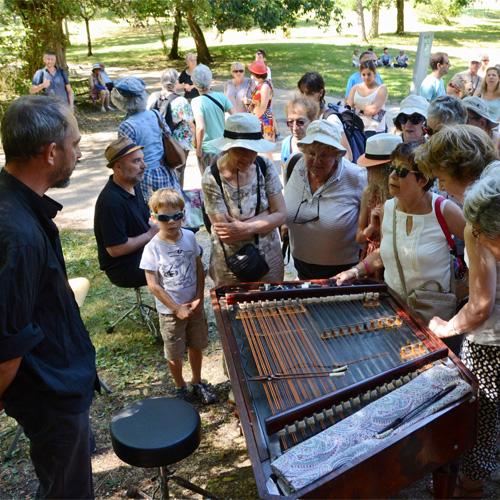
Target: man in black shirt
(121, 220)
(47, 361)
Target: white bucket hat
(479, 107)
(243, 130)
(324, 132)
(379, 148)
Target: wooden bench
(81, 90)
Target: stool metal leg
(166, 476)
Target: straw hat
(243, 130)
(324, 132)
(379, 148)
(118, 149)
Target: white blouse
(424, 253)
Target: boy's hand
(195, 306)
(183, 312)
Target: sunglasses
(453, 85)
(299, 123)
(415, 118)
(166, 218)
(476, 233)
(297, 220)
(401, 172)
(427, 129)
(238, 70)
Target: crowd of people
(382, 216)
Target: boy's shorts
(178, 334)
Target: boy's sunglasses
(166, 218)
(401, 172)
(415, 119)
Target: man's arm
(42, 84)
(132, 244)
(71, 97)
(8, 371)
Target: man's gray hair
(32, 121)
(169, 79)
(202, 77)
(130, 104)
(482, 201)
(448, 110)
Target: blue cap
(130, 86)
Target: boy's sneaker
(205, 393)
(180, 393)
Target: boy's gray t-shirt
(175, 265)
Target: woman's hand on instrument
(344, 276)
(443, 329)
(232, 231)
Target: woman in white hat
(376, 158)
(98, 88)
(323, 195)
(411, 117)
(236, 216)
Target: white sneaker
(103, 110)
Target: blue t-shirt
(355, 79)
(432, 87)
(286, 146)
(58, 82)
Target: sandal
(462, 492)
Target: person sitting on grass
(401, 60)
(175, 276)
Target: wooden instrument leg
(445, 479)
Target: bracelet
(453, 326)
(367, 267)
(356, 271)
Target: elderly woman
(239, 88)
(411, 117)
(445, 110)
(323, 196)
(478, 115)
(409, 219)
(300, 112)
(312, 86)
(457, 156)
(177, 113)
(245, 205)
(142, 126)
(209, 110)
(98, 88)
(185, 81)
(260, 103)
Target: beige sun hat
(379, 148)
(477, 105)
(243, 130)
(324, 132)
(120, 148)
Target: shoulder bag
(427, 303)
(173, 153)
(247, 264)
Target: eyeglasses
(401, 172)
(238, 70)
(415, 118)
(448, 63)
(453, 85)
(299, 123)
(476, 233)
(166, 218)
(314, 219)
(485, 60)
(427, 129)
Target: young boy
(175, 276)
(261, 55)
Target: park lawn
(123, 46)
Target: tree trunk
(199, 39)
(375, 19)
(400, 5)
(89, 40)
(174, 51)
(60, 45)
(361, 21)
(66, 31)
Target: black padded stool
(158, 432)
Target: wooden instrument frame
(402, 459)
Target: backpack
(164, 108)
(353, 125)
(261, 165)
